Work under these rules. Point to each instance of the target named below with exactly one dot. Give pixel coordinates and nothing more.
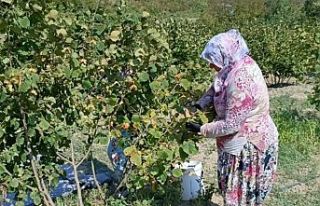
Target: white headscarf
(224, 50)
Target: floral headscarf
(225, 50)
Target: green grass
(298, 155)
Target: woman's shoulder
(248, 67)
(247, 71)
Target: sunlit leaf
(186, 84)
(177, 172)
(24, 22)
(44, 124)
(145, 14)
(53, 14)
(136, 159)
(6, 60)
(37, 7)
(115, 35)
(35, 196)
(14, 183)
(62, 32)
(130, 150)
(143, 76)
(7, 1)
(189, 147)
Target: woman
(247, 138)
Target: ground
(298, 179)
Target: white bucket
(191, 184)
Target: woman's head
(225, 49)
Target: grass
(298, 181)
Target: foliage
(315, 98)
(68, 72)
(284, 51)
(312, 8)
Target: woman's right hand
(193, 127)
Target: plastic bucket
(191, 184)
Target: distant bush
(312, 8)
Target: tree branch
(76, 178)
(46, 197)
(95, 179)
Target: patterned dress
(247, 138)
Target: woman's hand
(193, 127)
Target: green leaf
(153, 69)
(170, 155)
(2, 169)
(87, 84)
(1, 132)
(100, 46)
(49, 100)
(103, 140)
(20, 141)
(165, 154)
(154, 171)
(162, 155)
(37, 7)
(68, 21)
(69, 40)
(135, 118)
(24, 53)
(24, 22)
(155, 86)
(136, 159)
(3, 38)
(177, 172)
(7, 1)
(173, 71)
(189, 147)
(44, 125)
(61, 32)
(130, 150)
(139, 52)
(155, 133)
(20, 203)
(31, 132)
(115, 35)
(25, 86)
(143, 76)
(100, 29)
(6, 60)
(14, 183)
(53, 14)
(145, 14)
(203, 117)
(186, 84)
(162, 178)
(35, 196)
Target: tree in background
(312, 8)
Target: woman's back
(251, 97)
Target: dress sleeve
(239, 103)
(207, 98)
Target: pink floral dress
(247, 138)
